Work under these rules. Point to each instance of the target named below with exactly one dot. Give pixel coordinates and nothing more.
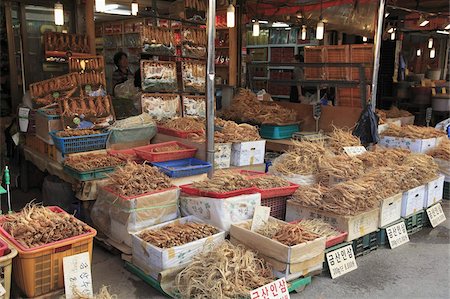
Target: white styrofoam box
(412, 200)
(151, 258)
(388, 141)
(222, 155)
(434, 191)
(414, 145)
(221, 212)
(390, 209)
(248, 153)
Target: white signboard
(397, 234)
(274, 290)
(2, 290)
(260, 217)
(354, 150)
(77, 276)
(436, 215)
(341, 261)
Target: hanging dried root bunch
(177, 234)
(340, 167)
(442, 151)
(338, 139)
(227, 272)
(37, 225)
(303, 158)
(92, 161)
(136, 179)
(310, 195)
(268, 182)
(319, 227)
(413, 132)
(76, 132)
(224, 181)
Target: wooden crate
(314, 54)
(349, 96)
(361, 54)
(337, 54)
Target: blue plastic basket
(278, 132)
(77, 144)
(183, 167)
(48, 116)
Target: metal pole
(376, 64)
(210, 76)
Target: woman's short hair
(119, 56)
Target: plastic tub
(146, 152)
(184, 167)
(128, 154)
(76, 144)
(278, 132)
(94, 174)
(188, 189)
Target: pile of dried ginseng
(245, 107)
(303, 158)
(177, 234)
(319, 227)
(286, 233)
(167, 148)
(338, 139)
(413, 132)
(441, 151)
(226, 272)
(76, 132)
(223, 181)
(92, 161)
(37, 225)
(339, 168)
(310, 195)
(184, 124)
(393, 112)
(136, 179)
(383, 157)
(229, 131)
(268, 181)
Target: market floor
(418, 269)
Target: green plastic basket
(95, 174)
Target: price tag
(436, 215)
(341, 261)
(354, 150)
(397, 234)
(260, 217)
(274, 290)
(77, 276)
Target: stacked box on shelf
(152, 260)
(335, 54)
(290, 262)
(362, 54)
(314, 55)
(434, 191)
(365, 244)
(46, 123)
(356, 225)
(350, 96)
(415, 222)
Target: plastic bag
(126, 90)
(367, 127)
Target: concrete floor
(418, 269)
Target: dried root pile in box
(268, 182)
(89, 106)
(224, 181)
(177, 234)
(36, 225)
(311, 195)
(167, 148)
(247, 108)
(92, 161)
(338, 139)
(286, 233)
(226, 272)
(319, 227)
(340, 167)
(393, 112)
(441, 151)
(136, 179)
(413, 132)
(229, 131)
(76, 132)
(184, 124)
(383, 157)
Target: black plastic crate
(365, 244)
(332, 248)
(416, 222)
(446, 191)
(382, 236)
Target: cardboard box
(412, 201)
(288, 261)
(152, 259)
(248, 153)
(414, 145)
(390, 209)
(222, 155)
(356, 226)
(434, 191)
(45, 124)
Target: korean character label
(397, 234)
(354, 150)
(77, 276)
(436, 215)
(341, 261)
(275, 290)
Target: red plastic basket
(146, 152)
(278, 191)
(188, 189)
(277, 206)
(110, 190)
(21, 248)
(4, 249)
(129, 154)
(333, 240)
(176, 133)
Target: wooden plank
(280, 145)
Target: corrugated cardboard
(390, 209)
(434, 191)
(412, 201)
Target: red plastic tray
(4, 249)
(175, 133)
(108, 189)
(278, 191)
(145, 152)
(331, 241)
(188, 189)
(56, 209)
(251, 173)
(128, 153)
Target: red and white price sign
(274, 290)
(436, 215)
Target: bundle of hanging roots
(225, 272)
